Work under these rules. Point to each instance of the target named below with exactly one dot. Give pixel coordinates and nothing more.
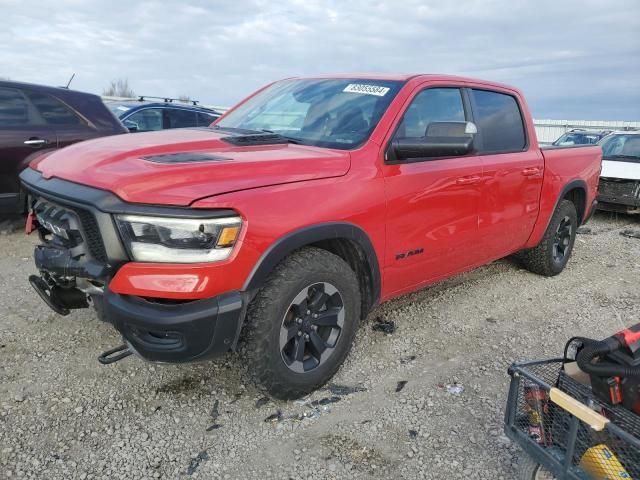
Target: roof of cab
(54, 90)
(409, 76)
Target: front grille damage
(92, 235)
(619, 191)
(72, 259)
(70, 227)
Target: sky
(576, 60)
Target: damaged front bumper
(81, 252)
(175, 333)
(619, 194)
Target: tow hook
(115, 354)
(60, 300)
(42, 289)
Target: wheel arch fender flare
(544, 219)
(577, 184)
(310, 235)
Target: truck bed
(566, 167)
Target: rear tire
(301, 324)
(552, 253)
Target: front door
(70, 128)
(432, 204)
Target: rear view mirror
(441, 139)
(132, 126)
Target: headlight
(179, 240)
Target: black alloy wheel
(302, 323)
(311, 327)
(562, 239)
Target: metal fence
(549, 130)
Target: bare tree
(184, 98)
(119, 88)
(4, 78)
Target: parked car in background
(619, 188)
(144, 115)
(298, 212)
(578, 136)
(37, 118)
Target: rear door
(432, 203)
(68, 125)
(23, 133)
(512, 173)
(180, 118)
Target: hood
(177, 167)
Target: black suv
(143, 115)
(35, 119)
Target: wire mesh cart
(565, 430)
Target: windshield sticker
(366, 89)
(123, 108)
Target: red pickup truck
(297, 212)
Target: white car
(619, 188)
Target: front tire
(302, 323)
(551, 255)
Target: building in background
(549, 130)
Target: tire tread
(538, 259)
(259, 326)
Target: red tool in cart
(578, 417)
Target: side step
(115, 354)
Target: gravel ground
(62, 415)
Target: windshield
(118, 108)
(621, 146)
(331, 113)
(578, 139)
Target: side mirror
(442, 139)
(132, 126)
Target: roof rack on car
(142, 98)
(592, 130)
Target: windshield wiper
(244, 131)
(289, 139)
(247, 131)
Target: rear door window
(499, 122)
(181, 118)
(14, 109)
(53, 111)
(204, 119)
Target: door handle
(36, 141)
(528, 172)
(468, 180)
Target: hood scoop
(185, 157)
(247, 140)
